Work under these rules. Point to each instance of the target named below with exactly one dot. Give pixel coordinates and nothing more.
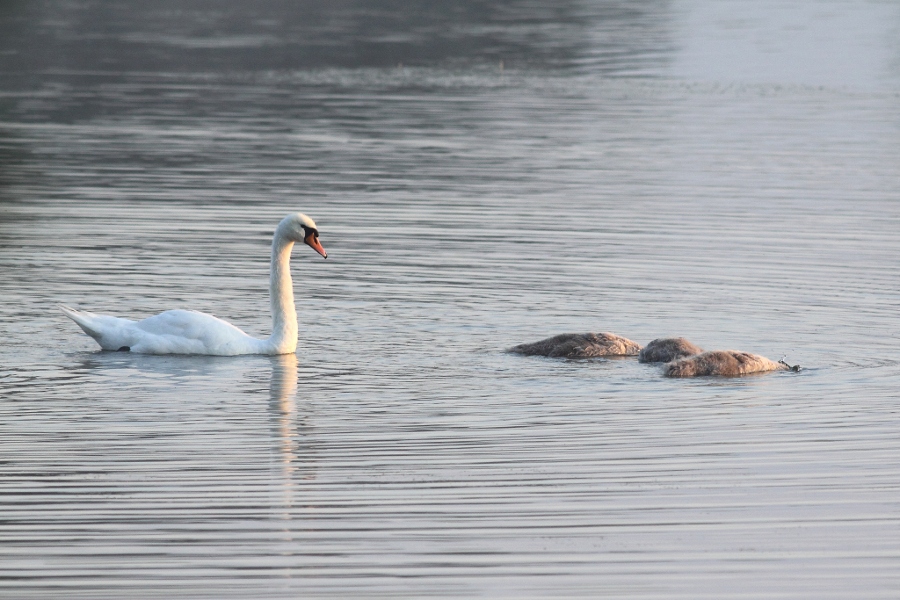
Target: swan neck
(281, 294)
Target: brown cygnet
(667, 350)
(580, 345)
(722, 363)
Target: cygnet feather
(722, 363)
(580, 345)
(667, 350)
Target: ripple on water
(465, 210)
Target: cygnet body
(722, 363)
(667, 350)
(580, 345)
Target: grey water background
(483, 174)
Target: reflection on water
(297, 460)
(620, 173)
(283, 395)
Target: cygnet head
(300, 228)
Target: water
(722, 171)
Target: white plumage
(192, 332)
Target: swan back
(170, 332)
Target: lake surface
(482, 175)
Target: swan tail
(85, 320)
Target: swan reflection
(289, 429)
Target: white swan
(192, 332)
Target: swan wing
(192, 332)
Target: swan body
(667, 350)
(192, 332)
(169, 332)
(580, 345)
(722, 363)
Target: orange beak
(312, 240)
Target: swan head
(300, 228)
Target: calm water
(724, 171)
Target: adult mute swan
(192, 332)
(580, 345)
